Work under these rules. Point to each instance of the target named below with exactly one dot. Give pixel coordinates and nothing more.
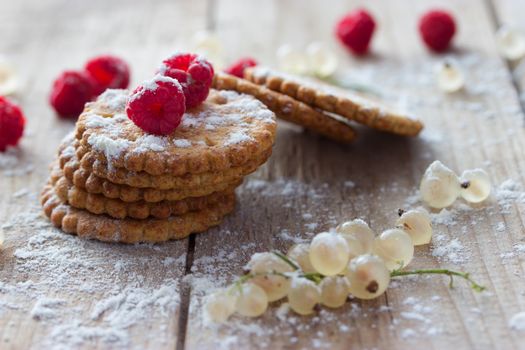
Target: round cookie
(105, 228)
(98, 204)
(227, 131)
(289, 109)
(165, 181)
(86, 180)
(363, 109)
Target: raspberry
(237, 68)
(109, 72)
(157, 106)
(71, 90)
(355, 31)
(12, 123)
(437, 28)
(194, 73)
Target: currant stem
(465, 275)
(286, 259)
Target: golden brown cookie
(229, 130)
(166, 182)
(104, 228)
(289, 109)
(91, 183)
(98, 204)
(354, 106)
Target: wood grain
(310, 184)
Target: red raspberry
(437, 28)
(71, 90)
(12, 123)
(193, 72)
(237, 68)
(355, 31)
(157, 106)
(109, 72)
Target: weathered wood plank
(57, 291)
(302, 188)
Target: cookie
(98, 204)
(104, 228)
(229, 130)
(367, 110)
(289, 109)
(91, 183)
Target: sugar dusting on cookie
(240, 113)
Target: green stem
(465, 275)
(286, 259)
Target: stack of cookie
(114, 182)
(317, 106)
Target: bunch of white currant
(440, 186)
(350, 260)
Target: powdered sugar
(239, 113)
(85, 292)
(517, 322)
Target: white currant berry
(475, 185)
(8, 78)
(303, 296)
(299, 253)
(510, 43)
(251, 300)
(360, 230)
(417, 224)
(368, 276)
(395, 247)
(210, 46)
(220, 305)
(329, 253)
(449, 77)
(440, 186)
(322, 60)
(291, 60)
(276, 287)
(334, 291)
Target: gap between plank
(185, 295)
(496, 23)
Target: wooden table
(57, 291)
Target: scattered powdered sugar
(237, 137)
(517, 322)
(115, 99)
(152, 143)
(86, 292)
(13, 162)
(112, 148)
(182, 143)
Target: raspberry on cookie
(157, 106)
(194, 73)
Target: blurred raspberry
(109, 72)
(71, 90)
(355, 31)
(12, 123)
(437, 28)
(237, 68)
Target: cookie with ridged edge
(226, 131)
(91, 183)
(98, 204)
(289, 109)
(165, 182)
(362, 109)
(104, 228)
